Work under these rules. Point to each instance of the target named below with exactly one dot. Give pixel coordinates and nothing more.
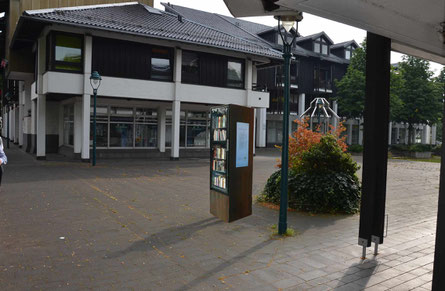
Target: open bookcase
(231, 157)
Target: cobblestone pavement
(145, 225)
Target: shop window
(161, 64)
(235, 74)
(196, 129)
(65, 52)
(190, 67)
(101, 126)
(146, 129)
(121, 135)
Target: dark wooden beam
(375, 154)
(439, 254)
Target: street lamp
(320, 107)
(287, 22)
(95, 80)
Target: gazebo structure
(408, 26)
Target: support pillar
(86, 111)
(17, 123)
(390, 133)
(12, 127)
(439, 254)
(433, 134)
(261, 127)
(360, 132)
(161, 129)
(77, 129)
(335, 119)
(33, 147)
(349, 137)
(406, 133)
(425, 134)
(398, 134)
(375, 155)
(176, 129)
(41, 127)
(254, 131)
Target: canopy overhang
(414, 27)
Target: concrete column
(176, 117)
(406, 133)
(397, 134)
(254, 131)
(335, 119)
(86, 107)
(41, 126)
(61, 124)
(248, 75)
(17, 124)
(360, 132)
(433, 134)
(77, 127)
(389, 132)
(33, 126)
(10, 114)
(426, 134)
(21, 112)
(301, 104)
(161, 129)
(349, 138)
(261, 127)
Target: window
(101, 126)
(235, 74)
(161, 64)
(146, 130)
(196, 129)
(348, 52)
(121, 127)
(68, 125)
(321, 46)
(65, 52)
(190, 67)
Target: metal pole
(282, 224)
(94, 128)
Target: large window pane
(324, 49)
(190, 67)
(101, 134)
(68, 133)
(121, 114)
(347, 54)
(121, 135)
(234, 74)
(196, 136)
(68, 52)
(317, 47)
(146, 135)
(146, 116)
(161, 67)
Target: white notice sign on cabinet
(242, 144)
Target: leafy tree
(421, 97)
(351, 88)
(440, 82)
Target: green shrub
(325, 192)
(420, 148)
(437, 150)
(355, 148)
(324, 181)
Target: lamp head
(95, 79)
(288, 21)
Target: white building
(160, 75)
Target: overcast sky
(311, 24)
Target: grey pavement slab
(145, 225)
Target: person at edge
(3, 159)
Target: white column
(161, 129)
(176, 116)
(61, 124)
(335, 119)
(17, 123)
(261, 127)
(78, 127)
(254, 131)
(349, 138)
(433, 134)
(425, 134)
(21, 111)
(41, 126)
(390, 132)
(10, 114)
(360, 132)
(301, 104)
(406, 133)
(86, 107)
(398, 134)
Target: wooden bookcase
(231, 158)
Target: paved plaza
(145, 225)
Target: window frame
(321, 42)
(170, 54)
(51, 62)
(242, 82)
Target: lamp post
(320, 107)
(95, 80)
(287, 22)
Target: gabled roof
(314, 36)
(216, 21)
(142, 20)
(344, 44)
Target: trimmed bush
(355, 148)
(323, 182)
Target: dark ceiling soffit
(17, 39)
(50, 22)
(269, 5)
